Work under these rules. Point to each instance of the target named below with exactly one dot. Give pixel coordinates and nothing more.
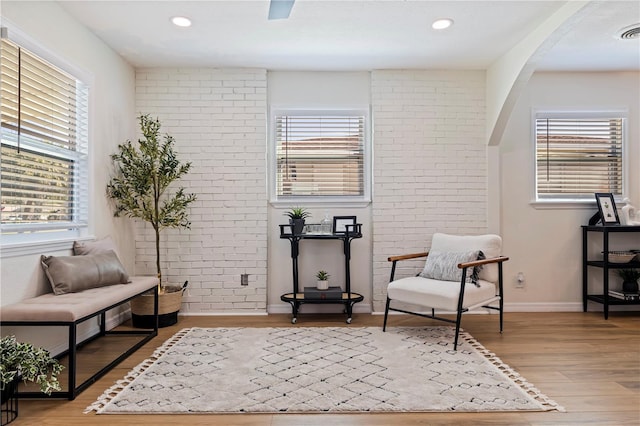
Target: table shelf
(605, 265)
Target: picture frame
(607, 208)
(340, 223)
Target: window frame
(569, 202)
(319, 200)
(40, 237)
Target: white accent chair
(451, 291)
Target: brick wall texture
(429, 175)
(430, 158)
(218, 120)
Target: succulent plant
(297, 213)
(322, 276)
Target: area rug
(320, 369)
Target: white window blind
(320, 155)
(44, 162)
(577, 157)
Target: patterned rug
(322, 369)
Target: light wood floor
(589, 365)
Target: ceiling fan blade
(280, 9)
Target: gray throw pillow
(82, 248)
(444, 266)
(72, 274)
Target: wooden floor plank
(588, 365)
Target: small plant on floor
(28, 363)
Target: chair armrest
(407, 256)
(498, 259)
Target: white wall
(319, 90)
(545, 243)
(217, 118)
(431, 172)
(111, 119)
(430, 163)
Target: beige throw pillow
(72, 274)
(82, 248)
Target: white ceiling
(354, 35)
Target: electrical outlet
(520, 280)
(244, 279)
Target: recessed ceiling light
(181, 21)
(441, 24)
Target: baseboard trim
(223, 314)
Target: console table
(296, 298)
(604, 298)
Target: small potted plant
(323, 280)
(629, 280)
(297, 216)
(23, 361)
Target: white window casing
(577, 154)
(319, 156)
(44, 150)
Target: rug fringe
(547, 403)
(106, 397)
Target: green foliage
(629, 275)
(30, 363)
(142, 176)
(297, 213)
(322, 276)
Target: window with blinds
(44, 145)
(320, 155)
(577, 157)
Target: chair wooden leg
(386, 314)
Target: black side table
(296, 298)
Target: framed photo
(340, 223)
(607, 208)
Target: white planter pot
(322, 285)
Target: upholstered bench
(70, 310)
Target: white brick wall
(218, 120)
(430, 174)
(430, 162)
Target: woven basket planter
(169, 304)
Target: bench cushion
(74, 306)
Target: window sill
(39, 247)
(320, 203)
(564, 205)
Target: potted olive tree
(139, 188)
(23, 361)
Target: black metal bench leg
(72, 361)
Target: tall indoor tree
(140, 185)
